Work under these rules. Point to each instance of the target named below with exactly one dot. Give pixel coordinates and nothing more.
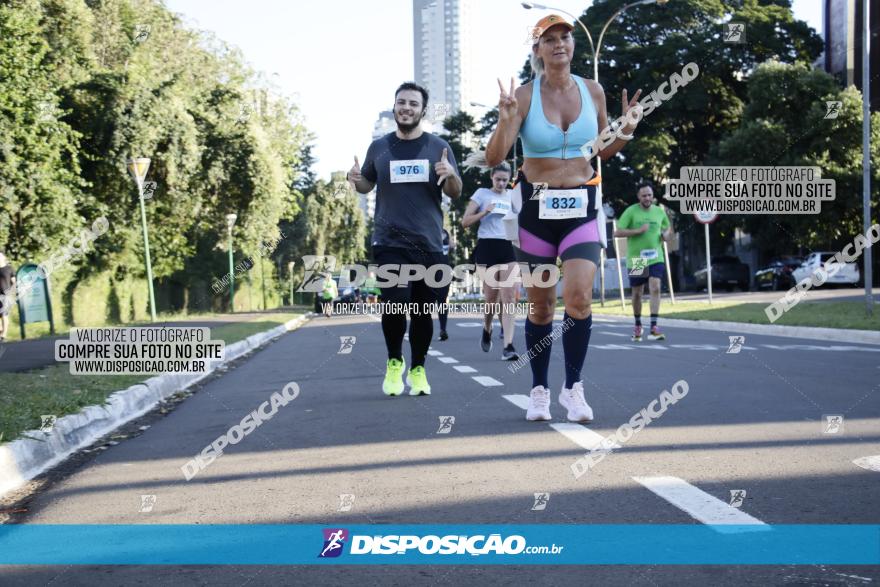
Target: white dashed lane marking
(581, 436)
(869, 463)
(700, 505)
(464, 369)
(486, 381)
(435, 353)
(447, 360)
(520, 401)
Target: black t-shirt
(6, 275)
(408, 213)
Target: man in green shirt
(645, 227)
(329, 292)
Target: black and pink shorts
(542, 240)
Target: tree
(39, 186)
(784, 124)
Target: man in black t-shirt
(410, 169)
(7, 282)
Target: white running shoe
(573, 401)
(539, 404)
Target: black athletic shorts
(493, 251)
(657, 270)
(415, 291)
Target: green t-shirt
(329, 290)
(648, 245)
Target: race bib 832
(562, 204)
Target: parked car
(848, 274)
(777, 274)
(727, 272)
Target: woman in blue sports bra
(555, 115)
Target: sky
(341, 60)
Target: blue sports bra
(541, 139)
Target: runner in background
(329, 291)
(7, 282)
(442, 313)
(370, 288)
(645, 226)
(494, 253)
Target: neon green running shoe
(418, 382)
(393, 384)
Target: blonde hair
(537, 63)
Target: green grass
(41, 329)
(844, 315)
(24, 397)
(230, 333)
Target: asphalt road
(752, 421)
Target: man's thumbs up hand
(442, 168)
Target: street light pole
(290, 271)
(138, 168)
(866, 155)
(230, 222)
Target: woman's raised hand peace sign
(507, 104)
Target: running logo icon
(315, 265)
(147, 503)
(346, 501)
(149, 189)
(541, 500)
(534, 34)
(833, 424)
(639, 264)
(334, 541)
(346, 344)
(737, 496)
(832, 109)
(244, 113)
(446, 423)
(47, 423)
(141, 33)
(538, 189)
(439, 112)
(734, 32)
(736, 344)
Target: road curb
(23, 459)
(825, 334)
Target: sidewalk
(24, 355)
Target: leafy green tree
(39, 187)
(784, 124)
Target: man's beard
(407, 128)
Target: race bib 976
(409, 171)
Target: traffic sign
(705, 217)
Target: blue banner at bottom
(163, 544)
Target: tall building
(843, 29)
(384, 124)
(442, 37)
